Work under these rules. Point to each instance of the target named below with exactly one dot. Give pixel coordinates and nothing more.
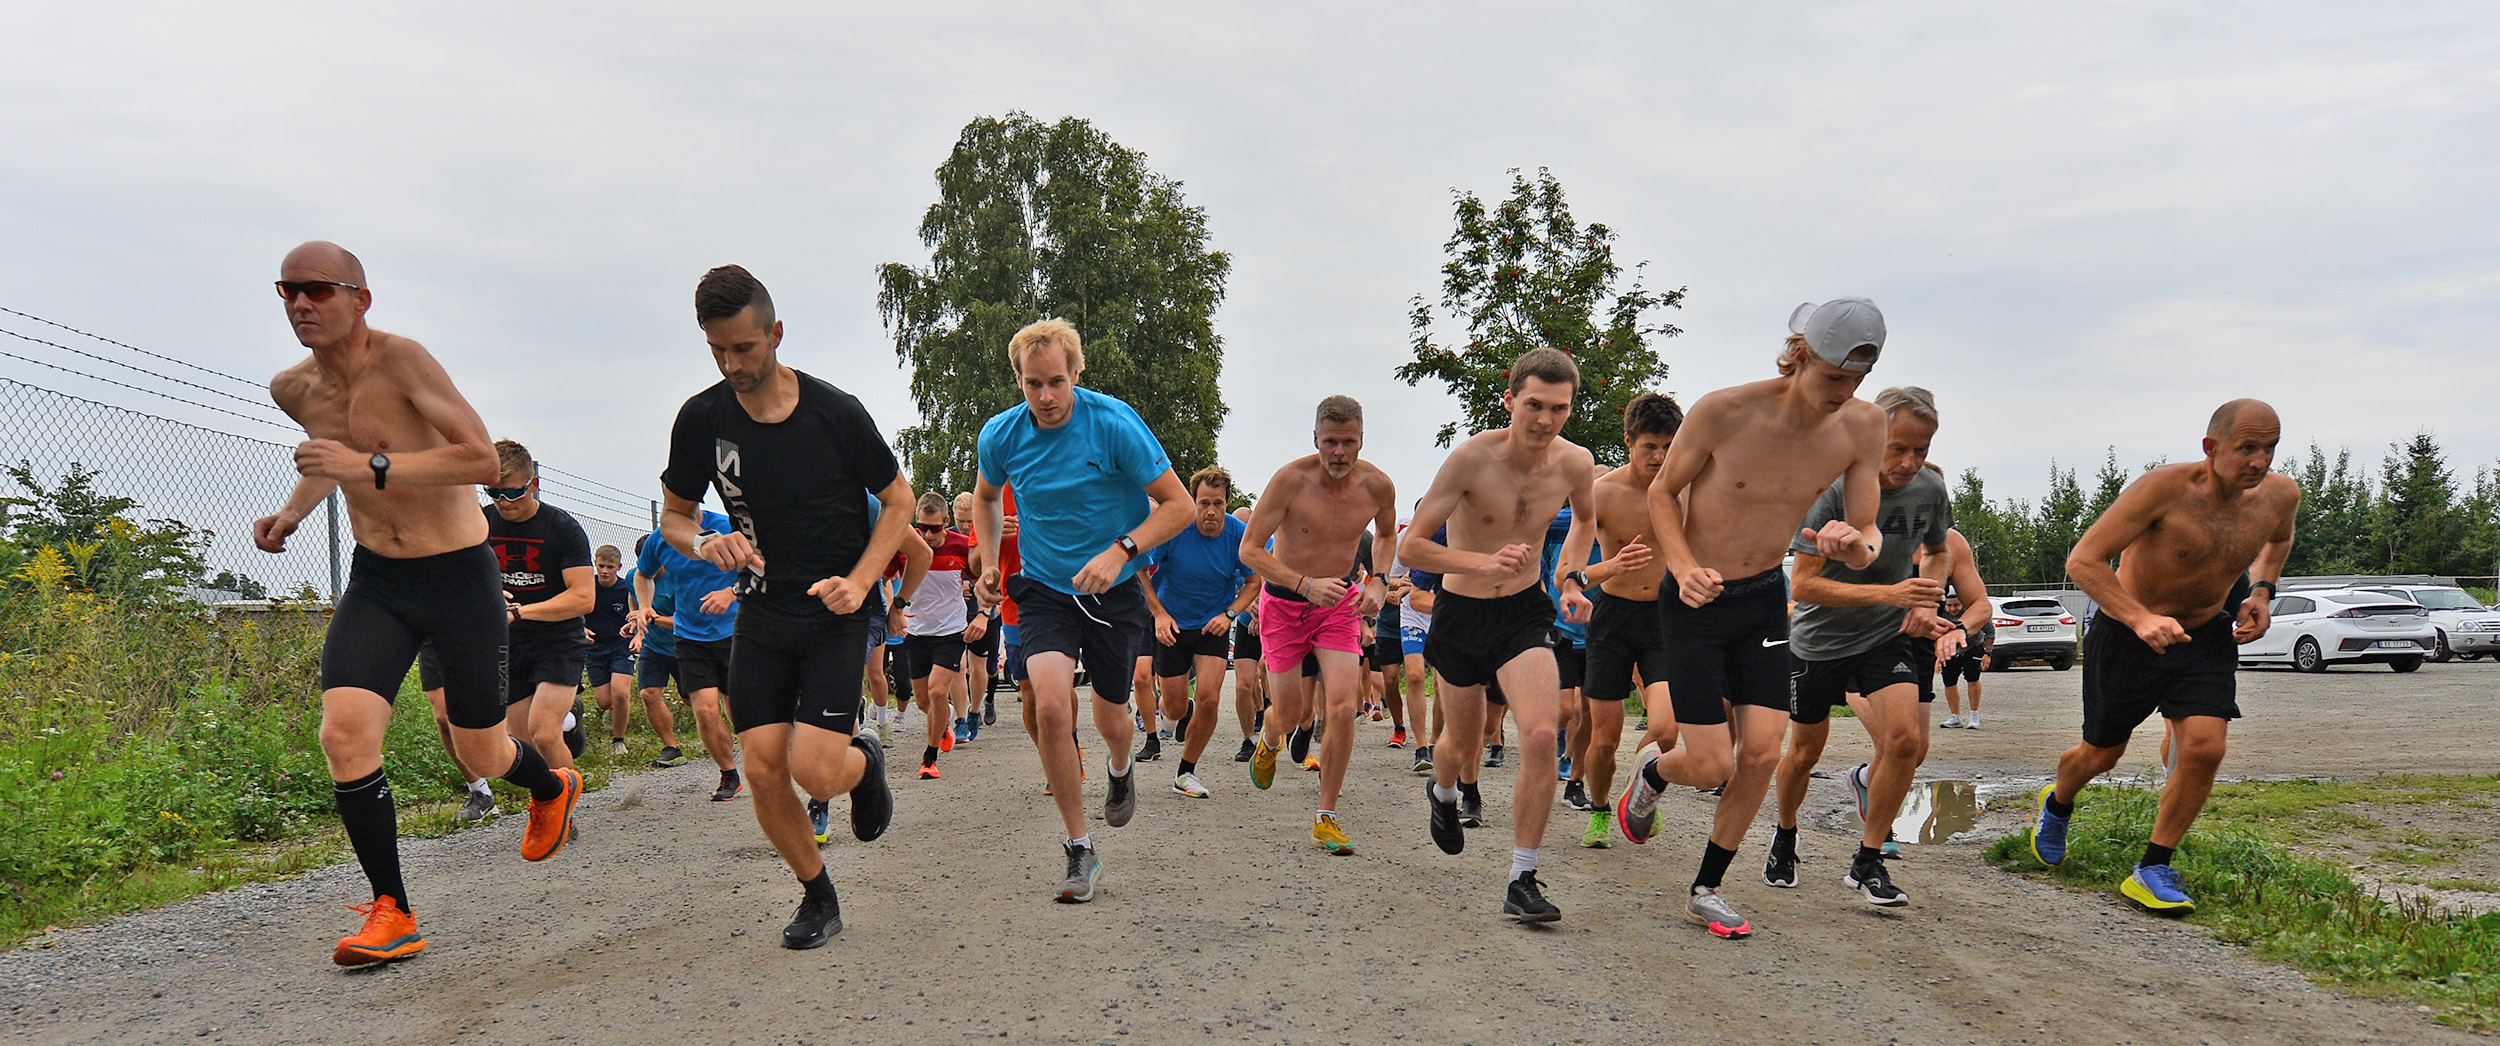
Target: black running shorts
(1246, 645)
(1101, 632)
(985, 647)
(796, 669)
(1173, 662)
(703, 664)
(454, 601)
(1733, 649)
(924, 654)
(2125, 682)
(653, 671)
(1965, 665)
(429, 669)
(533, 662)
(1817, 686)
(1570, 663)
(1472, 638)
(1623, 636)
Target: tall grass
(2252, 889)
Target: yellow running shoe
(1327, 836)
(1263, 765)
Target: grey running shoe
(1084, 869)
(1470, 809)
(1710, 908)
(989, 710)
(1636, 810)
(668, 757)
(1423, 759)
(616, 747)
(1119, 801)
(481, 806)
(729, 785)
(1493, 755)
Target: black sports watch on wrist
(381, 468)
(1578, 577)
(2267, 585)
(1128, 546)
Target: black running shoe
(728, 789)
(1299, 744)
(872, 800)
(1577, 794)
(1445, 831)
(1470, 810)
(1119, 801)
(819, 918)
(1152, 750)
(1780, 869)
(669, 757)
(1527, 902)
(1872, 882)
(1248, 746)
(1493, 755)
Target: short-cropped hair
(513, 459)
(729, 290)
(1042, 334)
(1338, 408)
(934, 504)
(1212, 476)
(608, 554)
(1919, 402)
(1652, 414)
(1552, 365)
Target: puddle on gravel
(1936, 811)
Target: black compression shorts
(1246, 641)
(2125, 682)
(1623, 636)
(1101, 632)
(454, 601)
(791, 669)
(985, 647)
(1733, 649)
(1173, 662)
(1472, 638)
(1817, 686)
(703, 664)
(924, 654)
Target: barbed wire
(135, 388)
(131, 347)
(142, 370)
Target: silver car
(2314, 629)
(2466, 628)
(2033, 628)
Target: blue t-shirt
(1555, 532)
(688, 580)
(1197, 576)
(1425, 579)
(1078, 487)
(657, 639)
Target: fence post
(333, 502)
(655, 515)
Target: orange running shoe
(551, 821)
(389, 934)
(929, 773)
(946, 741)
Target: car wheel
(2406, 664)
(2469, 657)
(2439, 648)
(2305, 656)
(2063, 662)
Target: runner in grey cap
(1847, 333)
(1862, 635)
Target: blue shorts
(604, 664)
(1012, 641)
(1412, 640)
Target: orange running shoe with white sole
(389, 934)
(551, 821)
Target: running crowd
(1782, 550)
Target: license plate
(2395, 644)
(2039, 628)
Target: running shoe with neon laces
(1263, 765)
(1248, 747)
(668, 757)
(2156, 888)
(480, 807)
(818, 919)
(1709, 907)
(1119, 801)
(1446, 833)
(1601, 833)
(1576, 795)
(1397, 738)
(1780, 868)
(2048, 831)
(1857, 787)
(1636, 810)
(820, 818)
(1327, 835)
(728, 789)
(1152, 750)
(1872, 882)
(1528, 903)
(389, 934)
(872, 799)
(1423, 759)
(551, 821)
(1084, 870)
(929, 772)
(1189, 785)
(1311, 763)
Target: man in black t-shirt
(790, 456)
(547, 586)
(611, 663)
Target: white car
(2466, 627)
(2316, 628)
(2032, 628)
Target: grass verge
(2252, 889)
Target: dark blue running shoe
(2048, 831)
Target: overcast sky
(2086, 224)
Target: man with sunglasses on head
(389, 432)
(548, 584)
(1084, 466)
(791, 457)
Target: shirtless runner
(2168, 639)
(390, 432)
(1315, 508)
(1497, 492)
(1623, 624)
(1748, 463)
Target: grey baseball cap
(1847, 333)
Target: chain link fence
(218, 483)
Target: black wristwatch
(1578, 577)
(381, 468)
(1128, 546)
(2267, 585)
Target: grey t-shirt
(1917, 514)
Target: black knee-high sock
(1714, 861)
(529, 770)
(373, 828)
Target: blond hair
(1212, 476)
(1043, 334)
(608, 554)
(513, 459)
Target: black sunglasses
(929, 528)
(508, 493)
(317, 290)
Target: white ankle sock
(1522, 861)
(1445, 793)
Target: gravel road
(1217, 921)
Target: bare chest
(1507, 506)
(367, 414)
(2209, 539)
(1771, 471)
(1325, 522)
